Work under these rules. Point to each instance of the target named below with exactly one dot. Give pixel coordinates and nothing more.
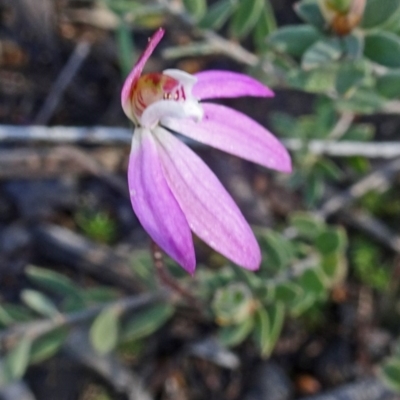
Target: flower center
(150, 88)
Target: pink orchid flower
(172, 191)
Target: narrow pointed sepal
(210, 211)
(231, 131)
(126, 93)
(155, 204)
(216, 84)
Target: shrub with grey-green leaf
(390, 373)
(232, 304)
(15, 362)
(105, 330)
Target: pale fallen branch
(101, 135)
(210, 349)
(346, 148)
(65, 134)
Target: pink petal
(231, 131)
(155, 204)
(137, 71)
(209, 209)
(217, 84)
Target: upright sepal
(126, 93)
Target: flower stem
(168, 280)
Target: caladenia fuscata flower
(173, 192)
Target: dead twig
(63, 134)
(122, 136)
(378, 179)
(108, 366)
(220, 44)
(65, 77)
(374, 227)
(39, 163)
(342, 126)
(168, 281)
(346, 148)
(64, 246)
(91, 165)
(36, 329)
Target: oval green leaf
(50, 280)
(383, 48)
(146, 322)
(278, 250)
(378, 11)
(245, 17)
(287, 292)
(294, 39)
(262, 328)
(388, 85)
(310, 12)
(12, 313)
(217, 14)
(318, 80)
(353, 46)
(39, 303)
(311, 281)
(362, 101)
(314, 189)
(322, 52)
(16, 361)
(231, 304)
(265, 25)
(196, 8)
(349, 76)
(104, 331)
(307, 225)
(334, 267)
(276, 314)
(235, 334)
(268, 326)
(126, 52)
(100, 294)
(390, 373)
(47, 345)
(331, 241)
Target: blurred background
(84, 312)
